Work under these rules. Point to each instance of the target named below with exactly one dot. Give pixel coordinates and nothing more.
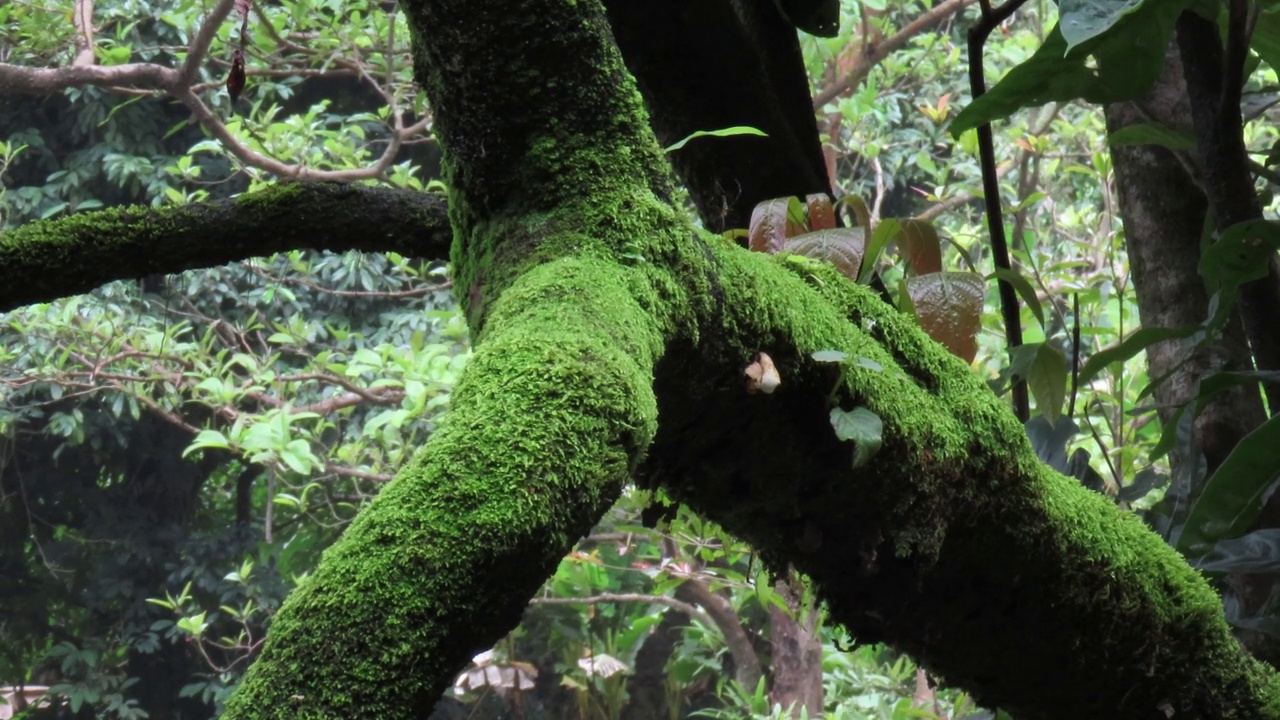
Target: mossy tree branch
(50, 259)
(598, 311)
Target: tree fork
(596, 307)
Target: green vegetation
(196, 469)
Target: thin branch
(689, 609)
(17, 79)
(82, 18)
(872, 55)
(200, 43)
(991, 19)
(358, 474)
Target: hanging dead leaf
(762, 375)
(843, 247)
(235, 78)
(949, 306)
(822, 216)
(920, 246)
(773, 221)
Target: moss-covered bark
(50, 259)
(955, 543)
(547, 426)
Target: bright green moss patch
(552, 415)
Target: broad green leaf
(830, 356)
(1083, 20)
(863, 428)
(1023, 287)
(1048, 381)
(1151, 134)
(1266, 37)
(884, 233)
(1130, 346)
(1232, 498)
(1126, 60)
(1241, 254)
(723, 132)
(207, 439)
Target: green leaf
(1024, 290)
(1132, 345)
(1233, 497)
(830, 356)
(862, 427)
(1083, 20)
(884, 233)
(1048, 381)
(207, 439)
(1266, 37)
(1151, 134)
(1241, 254)
(1127, 59)
(723, 132)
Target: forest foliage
(177, 452)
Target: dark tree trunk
(1164, 211)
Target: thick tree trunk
(1225, 174)
(713, 65)
(1164, 212)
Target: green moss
(553, 414)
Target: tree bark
(713, 65)
(1164, 212)
(50, 259)
(1225, 174)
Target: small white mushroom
(762, 375)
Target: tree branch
(49, 259)
(151, 77)
(82, 18)
(16, 79)
(874, 54)
(200, 43)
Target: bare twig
(82, 18)
(872, 54)
(200, 43)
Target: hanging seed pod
(235, 79)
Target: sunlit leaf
(723, 132)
